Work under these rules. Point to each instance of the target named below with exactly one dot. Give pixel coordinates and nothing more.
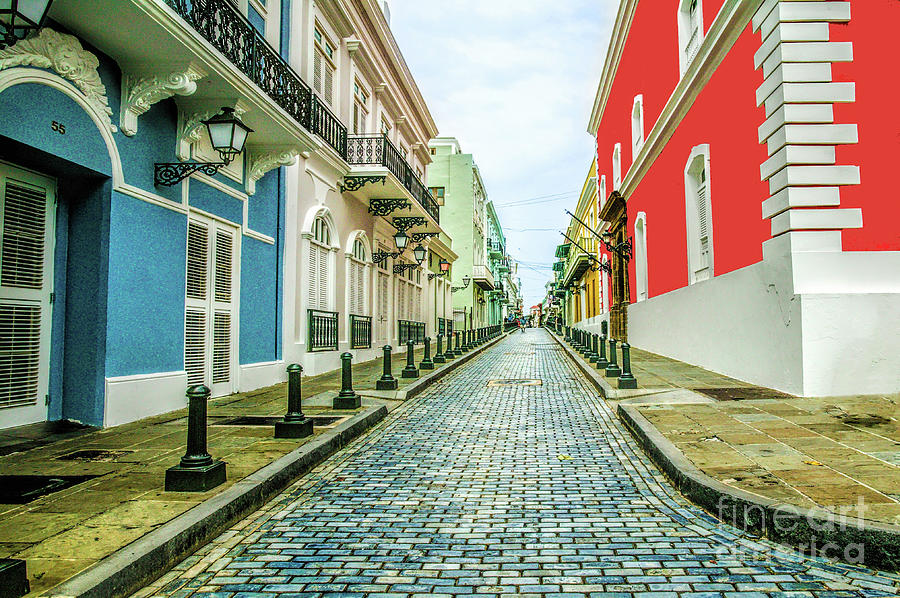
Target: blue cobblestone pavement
(492, 490)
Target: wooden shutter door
(26, 274)
(702, 270)
(223, 357)
(312, 263)
(210, 308)
(196, 310)
(384, 315)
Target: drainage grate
(515, 382)
(94, 455)
(22, 489)
(743, 393)
(258, 420)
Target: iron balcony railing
(378, 150)
(360, 332)
(219, 23)
(414, 331)
(323, 330)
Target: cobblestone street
(484, 489)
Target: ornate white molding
(190, 127)
(260, 162)
(140, 93)
(63, 54)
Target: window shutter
(195, 345)
(197, 257)
(328, 82)
(323, 279)
(221, 347)
(20, 345)
(703, 226)
(318, 61)
(224, 252)
(24, 224)
(312, 295)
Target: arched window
(617, 167)
(358, 280)
(319, 265)
(698, 210)
(637, 126)
(690, 31)
(640, 256)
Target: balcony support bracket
(380, 256)
(419, 237)
(403, 224)
(384, 207)
(355, 183)
(140, 92)
(401, 268)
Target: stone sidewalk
(65, 532)
(841, 454)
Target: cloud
(513, 80)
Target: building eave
(613, 55)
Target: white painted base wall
(771, 324)
(320, 362)
(129, 398)
(261, 375)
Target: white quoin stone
(794, 72)
(808, 52)
(790, 32)
(801, 197)
(813, 175)
(816, 219)
(788, 12)
(796, 114)
(796, 154)
(812, 135)
(810, 93)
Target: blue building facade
(118, 293)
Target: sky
(514, 81)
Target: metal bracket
(384, 207)
(404, 223)
(433, 275)
(419, 237)
(355, 183)
(171, 173)
(401, 268)
(380, 256)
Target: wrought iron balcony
(377, 150)
(495, 248)
(414, 331)
(483, 277)
(219, 23)
(360, 332)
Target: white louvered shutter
(312, 293)
(318, 63)
(384, 316)
(703, 230)
(197, 303)
(222, 332)
(328, 83)
(210, 307)
(401, 300)
(323, 276)
(25, 285)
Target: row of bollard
(593, 347)
(198, 471)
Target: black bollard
(449, 354)
(612, 370)
(197, 471)
(601, 361)
(439, 354)
(294, 424)
(347, 398)
(410, 370)
(586, 341)
(13, 578)
(593, 356)
(627, 379)
(457, 351)
(387, 380)
(427, 363)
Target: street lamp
(18, 18)
(419, 253)
(401, 240)
(227, 133)
(445, 269)
(465, 280)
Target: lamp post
(227, 133)
(18, 18)
(401, 240)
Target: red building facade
(751, 141)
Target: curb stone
(148, 557)
(786, 524)
(874, 544)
